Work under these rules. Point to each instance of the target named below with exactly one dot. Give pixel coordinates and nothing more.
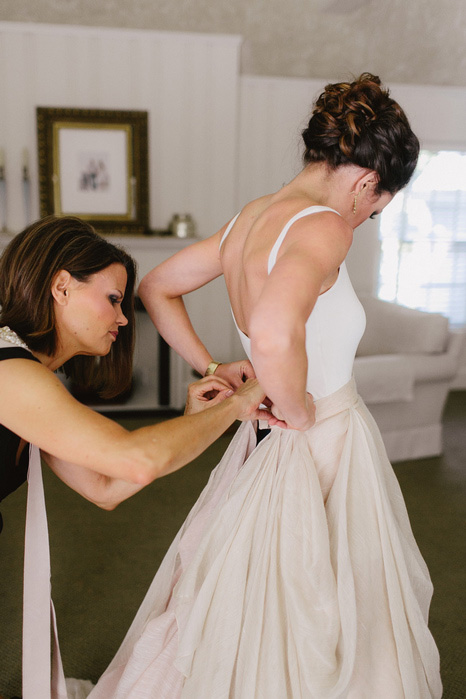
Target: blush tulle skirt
(295, 576)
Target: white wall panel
(273, 112)
(188, 83)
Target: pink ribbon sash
(40, 680)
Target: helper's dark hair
(27, 268)
(359, 123)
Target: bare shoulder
(24, 385)
(36, 406)
(15, 368)
(20, 377)
(329, 222)
(323, 230)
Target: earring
(356, 195)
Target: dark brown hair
(27, 268)
(359, 123)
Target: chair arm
(395, 329)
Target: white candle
(25, 158)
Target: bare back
(246, 249)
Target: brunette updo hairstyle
(359, 123)
(27, 268)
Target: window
(423, 234)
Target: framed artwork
(93, 163)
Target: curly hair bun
(360, 123)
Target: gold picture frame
(93, 163)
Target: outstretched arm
(107, 492)
(36, 406)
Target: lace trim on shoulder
(9, 335)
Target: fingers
(203, 399)
(206, 384)
(209, 395)
(215, 382)
(275, 422)
(208, 391)
(252, 389)
(248, 371)
(220, 397)
(261, 414)
(236, 373)
(275, 411)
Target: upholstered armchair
(404, 366)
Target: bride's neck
(324, 186)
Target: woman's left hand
(236, 373)
(206, 392)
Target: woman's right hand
(205, 393)
(212, 390)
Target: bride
(296, 574)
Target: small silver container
(182, 226)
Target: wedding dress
(296, 574)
